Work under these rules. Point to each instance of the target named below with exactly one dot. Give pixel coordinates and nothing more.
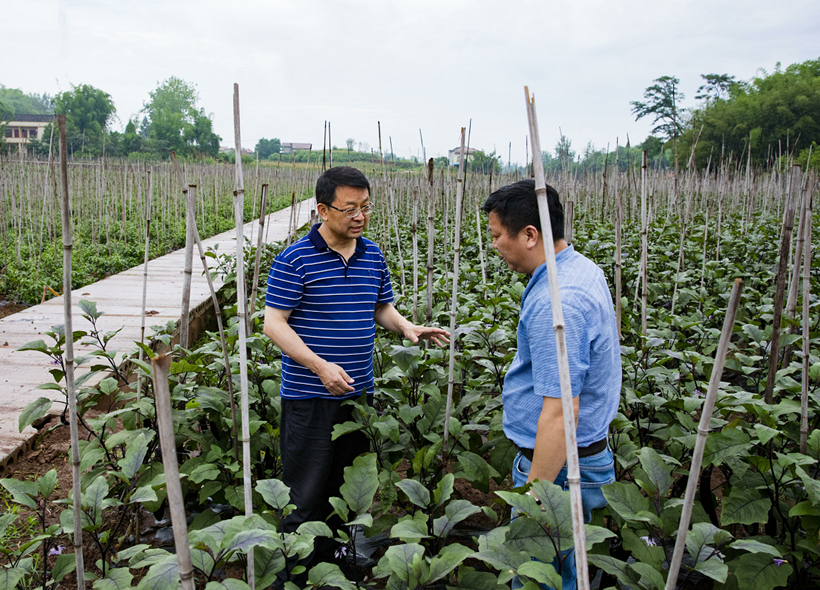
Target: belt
(587, 451)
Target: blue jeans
(596, 471)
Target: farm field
(441, 516)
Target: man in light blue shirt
(533, 417)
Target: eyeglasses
(366, 210)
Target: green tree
(14, 101)
(484, 163)
(268, 147)
(88, 112)
(716, 87)
(662, 100)
(350, 143)
(176, 124)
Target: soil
(8, 308)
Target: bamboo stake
(239, 197)
(431, 233)
(573, 468)
(255, 284)
(391, 208)
(190, 220)
(68, 241)
(415, 257)
(176, 501)
(619, 216)
(703, 432)
(454, 305)
(568, 220)
(644, 245)
(144, 287)
(782, 270)
(480, 238)
(804, 397)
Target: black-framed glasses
(353, 212)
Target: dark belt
(587, 451)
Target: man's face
(512, 249)
(346, 198)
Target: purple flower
(341, 552)
(57, 550)
(698, 393)
(650, 542)
(779, 562)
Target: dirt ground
(8, 308)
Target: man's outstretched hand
(415, 333)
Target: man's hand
(414, 333)
(334, 378)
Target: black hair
(335, 177)
(517, 207)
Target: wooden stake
(68, 241)
(431, 233)
(176, 501)
(703, 432)
(804, 398)
(259, 238)
(573, 468)
(644, 245)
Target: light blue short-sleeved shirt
(592, 345)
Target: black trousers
(313, 466)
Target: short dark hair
(336, 177)
(517, 207)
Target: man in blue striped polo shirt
(326, 293)
(533, 417)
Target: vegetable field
(441, 514)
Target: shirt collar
(541, 271)
(321, 245)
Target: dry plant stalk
(454, 304)
(644, 245)
(703, 432)
(415, 257)
(68, 242)
(239, 198)
(431, 233)
(176, 501)
(573, 468)
(259, 239)
(804, 398)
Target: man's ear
(532, 236)
(321, 209)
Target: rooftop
(22, 118)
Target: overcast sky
(411, 65)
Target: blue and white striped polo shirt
(333, 303)
(592, 346)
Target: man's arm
(387, 317)
(550, 451)
(333, 377)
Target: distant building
(289, 148)
(23, 128)
(228, 150)
(453, 155)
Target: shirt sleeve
(385, 288)
(544, 355)
(285, 285)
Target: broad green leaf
(328, 574)
(410, 527)
(531, 538)
(744, 506)
(10, 576)
(163, 575)
(144, 494)
(764, 433)
(315, 528)
(361, 483)
(47, 483)
(246, 540)
(503, 558)
(705, 534)
(274, 492)
(543, 573)
(470, 579)
(455, 512)
(626, 500)
(659, 473)
(95, 494)
(36, 409)
(36, 345)
(134, 456)
(89, 308)
(227, 584)
(400, 558)
(555, 504)
(448, 559)
(108, 385)
(473, 467)
(267, 563)
(22, 492)
(5, 521)
(641, 549)
(204, 472)
(812, 486)
(650, 578)
(597, 534)
(63, 565)
(202, 560)
(345, 428)
(753, 546)
(729, 443)
(444, 489)
(415, 492)
(760, 571)
(614, 567)
(115, 579)
(524, 503)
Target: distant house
(289, 148)
(228, 150)
(23, 128)
(454, 154)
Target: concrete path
(119, 297)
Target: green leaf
(626, 500)
(759, 571)
(812, 485)
(134, 456)
(754, 546)
(246, 540)
(5, 521)
(36, 345)
(415, 492)
(228, 584)
(400, 559)
(729, 443)
(650, 578)
(614, 567)
(448, 559)
(410, 527)
(267, 563)
(744, 506)
(63, 565)
(473, 467)
(703, 535)
(454, 513)
(22, 492)
(345, 428)
(315, 528)
(108, 385)
(555, 504)
(163, 575)
(469, 579)
(531, 538)
(329, 574)
(659, 473)
(144, 494)
(637, 546)
(47, 483)
(503, 558)
(89, 308)
(10, 576)
(361, 483)
(524, 503)
(36, 409)
(95, 494)
(597, 534)
(274, 492)
(543, 573)
(444, 489)
(204, 472)
(115, 579)
(764, 433)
